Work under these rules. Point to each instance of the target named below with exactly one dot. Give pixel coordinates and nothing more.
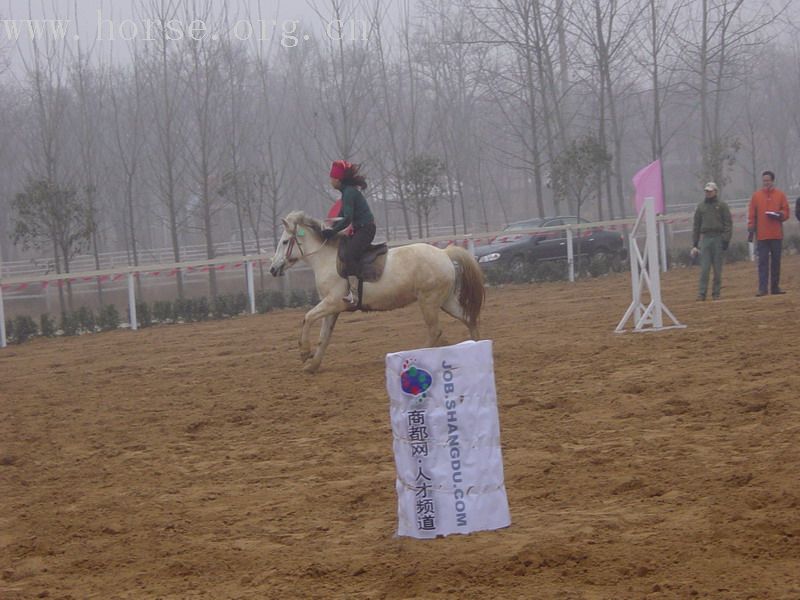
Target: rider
(345, 177)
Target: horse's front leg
(303, 343)
(326, 308)
(325, 331)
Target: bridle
(295, 242)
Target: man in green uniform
(712, 221)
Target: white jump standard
(645, 276)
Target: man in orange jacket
(769, 208)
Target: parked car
(517, 247)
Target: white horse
(449, 279)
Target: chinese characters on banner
(446, 440)
(418, 437)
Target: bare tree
(607, 28)
(392, 112)
(717, 56)
(657, 47)
(455, 61)
(204, 79)
(274, 147)
(125, 90)
(88, 86)
(45, 66)
(164, 91)
(533, 80)
(422, 179)
(343, 71)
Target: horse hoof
(310, 367)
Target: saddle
(370, 267)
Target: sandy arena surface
(198, 461)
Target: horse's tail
(471, 291)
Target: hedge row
(738, 251)
(556, 270)
(189, 310)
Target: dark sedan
(515, 249)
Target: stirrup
(350, 298)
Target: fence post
(3, 340)
(570, 255)
(662, 240)
(251, 288)
(471, 245)
(132, 300)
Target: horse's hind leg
(453, 308)
(430, 312)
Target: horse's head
(300, 237)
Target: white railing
(17, 281)
(110, 260)
(131, 273)
(440, 233)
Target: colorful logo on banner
(415, 381)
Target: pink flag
(648, 184)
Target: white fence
(26, 285)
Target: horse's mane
(298, 217)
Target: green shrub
(86, 320)
(599, 265)
(240, 303)
(682, 257)
(550, 270)
(262, 302)
(200, 309)
(496, 277)
(524, 273)
(229, 305)
(46, 325)
(24, 328)
(276, 299)
(297, 298)
(737, 251)
(269, 300)
(108, 318)
(163, 311)
(221, 307)
(183, 310)
(69, 323)
(143, 314)
(792, 243)
(9, 329)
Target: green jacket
(712, 217)
(355, 210)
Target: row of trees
(465, 114)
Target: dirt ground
(198, 461)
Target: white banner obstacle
(645, 277)
(446, 440)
